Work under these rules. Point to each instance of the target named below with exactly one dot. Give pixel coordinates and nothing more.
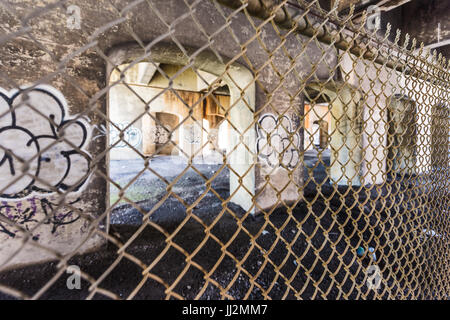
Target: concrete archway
(241, 85)
(346, 129)
(402, 135)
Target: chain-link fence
(220, 149)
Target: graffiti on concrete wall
(132, 136)
(160, 134)
(42, 150)
(24, 214)
(278, 141)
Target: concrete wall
(379, 86)
(82, 80)
(43, 205)
(376, 87)
(128, 102)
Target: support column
(346, 132)
(148, 134)
(241, 119)
(402, 136)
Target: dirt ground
(323, 220)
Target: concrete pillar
(323, 133)
(241, 118)
(148, 132)
(377, 84)
(402, 136)
(158, 130)
(346, 132)
(193, 126)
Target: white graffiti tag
(132, 136)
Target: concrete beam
(292, 18)
(438, 44)
(388, 5)
(146, 72)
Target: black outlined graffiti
(24, 214)
(17, 216)
(283, 140)
(35, 130)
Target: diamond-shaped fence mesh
(219, 149)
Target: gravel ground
(321, 237)
(188, 186)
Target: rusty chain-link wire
(220, 149)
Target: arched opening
(157, 133)
(402, 136)
(333, 132)
(191, 115)
(216, 126)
